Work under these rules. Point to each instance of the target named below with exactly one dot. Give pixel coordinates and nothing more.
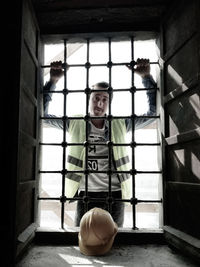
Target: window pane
(141, 104)
(51, 185)
(69, 217)
(147, 135)
(145, 49)
(121, 52)
(53, 52)
(76, 53)
(121, 77)
(56, 105)
(146, 158)
(76, 78)
(98, 74)
(51, 135)
(50, 213)
(76, 104)
(147, 186)
(147, 215)
(99, 52)
(52, 158)
(121, 104)
(128, 217)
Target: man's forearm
(149, 83)
(47, 97)
(49, 86)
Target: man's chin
(97, 114)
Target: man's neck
(98, 123)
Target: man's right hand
(56, 71)
(142, 67)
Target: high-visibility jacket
(76, 157)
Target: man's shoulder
(77, 120)
(78, 115)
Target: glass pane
(146, 158)
(145, 49)
(121, 52)
(56, 105)
(69, 218)
(53, 52)
(76, 104)
(147, 215)
(52, 158)
(141, 104)
(155, 71)
(99, 52)
(121, 104)
(128, 217)
(121, 77)
(147, 135)
(51, 135)
(98, 74)
(50, 214)
(51, 185)
(138, 81)
(147, 186)
(76, 78)
(76, 53)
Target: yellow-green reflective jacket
(76, 156)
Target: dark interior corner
(176, 26)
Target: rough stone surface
(137, 256)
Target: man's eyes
(97, 98)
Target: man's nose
(99, 103)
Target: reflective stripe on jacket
(76, 157)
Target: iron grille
(133, 144)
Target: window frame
(63, 198)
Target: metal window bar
(94, 171)
(95, 65)
(99, 118)
(87, 91)
(87, 118)
(63, 197)
(109, 65)
(113, 90)
(100, 144)
(134, 201)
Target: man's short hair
(103, 85)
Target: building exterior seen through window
(86, 63)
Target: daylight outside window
(147, 185)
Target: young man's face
(98, 103)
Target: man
(98, 159)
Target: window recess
(145, 203)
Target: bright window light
(147, 186)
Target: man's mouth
(98, 109)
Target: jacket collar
(106, 133)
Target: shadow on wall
(183, 121)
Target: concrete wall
(181, 54)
